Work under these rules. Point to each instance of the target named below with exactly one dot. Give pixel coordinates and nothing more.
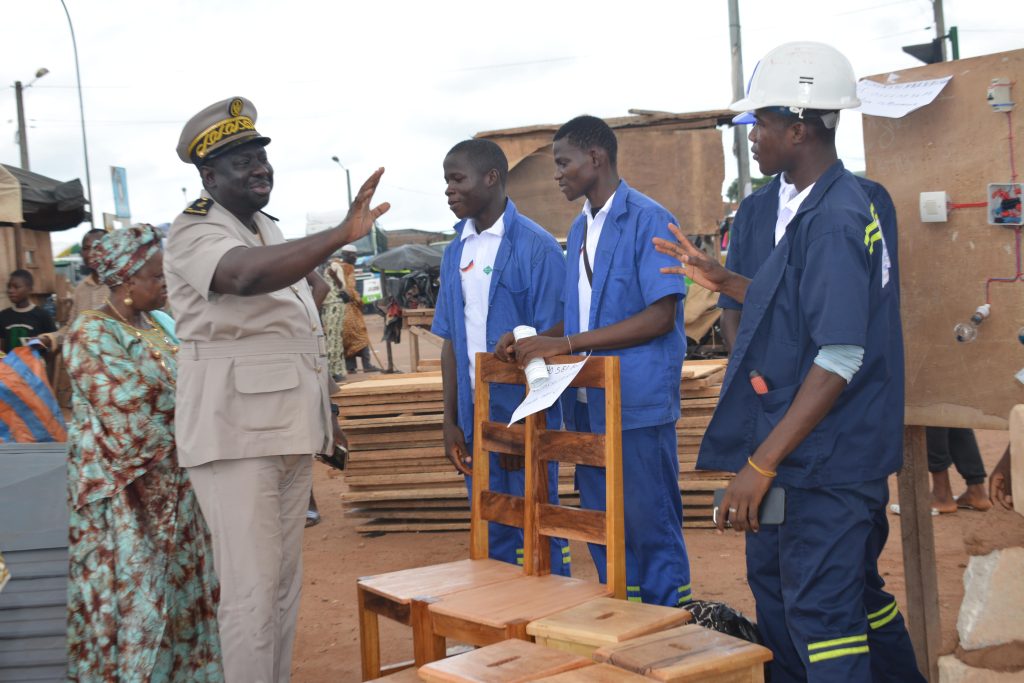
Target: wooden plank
(411, 408)
(1017, 455)
(502, 508)
(919, 552)
(573, 447)
(565, 522)
(391, 423)
(497, 438)
(706, 392)
(698, 422)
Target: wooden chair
(403, 595)
(490, 614)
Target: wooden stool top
(523, 599)
(404, 676)
(598, 673)
(605, 621)
(439, 579)
(685, 653)
(509, 661)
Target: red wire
(1018, 277)
(969, 205)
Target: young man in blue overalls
(812, 401)
(617, 304)
(502, 270)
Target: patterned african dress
(355, 336)
(333, 315)
(142, 595)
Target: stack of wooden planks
(699, 388)
(399, 480)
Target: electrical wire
(1019, 277)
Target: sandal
(895, 509)
(312, 518)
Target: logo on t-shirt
(468, 267)
(488, 270)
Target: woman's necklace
(154, 338)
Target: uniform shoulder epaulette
(273, 218)
(199, 207)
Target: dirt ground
(327, 644)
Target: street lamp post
(22, 128)
(348, 179)
(81, 116)
(348, 184)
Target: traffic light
(929, 53)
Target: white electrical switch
(999, 95)
(934, 207)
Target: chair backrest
(539, 519)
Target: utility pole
(940, 27)
(22, 128)
(740, 132)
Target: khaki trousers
(256, 511)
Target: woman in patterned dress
(142, 595)
(333, 315)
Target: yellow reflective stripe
(565, 550)
(832, 654)
(875, 615)
(683, 599)
(684, 589)
(838, 641)
(634, 599)
(519, 551)
(632, 588)
(886, 619)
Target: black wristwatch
(335, 410)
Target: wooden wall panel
(957, 144)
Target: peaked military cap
(217, 128)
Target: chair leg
(517, 630)
(369, 639)
(427, 647)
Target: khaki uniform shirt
(252, 370)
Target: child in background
(23, 320)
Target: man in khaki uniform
(253, 386)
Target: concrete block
(952, 670)
(993, 600)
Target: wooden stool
(598, 673)
(604, 621)
(392, 595)
(689, 653)
(507, 662)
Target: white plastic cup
(536, 370)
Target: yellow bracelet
(762, 472)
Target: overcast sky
(396, 84)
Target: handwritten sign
(896, 100)
(544, 396)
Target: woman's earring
(128, 301)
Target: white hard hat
(350, 248)
(800, 76)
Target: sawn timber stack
(399, 480)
